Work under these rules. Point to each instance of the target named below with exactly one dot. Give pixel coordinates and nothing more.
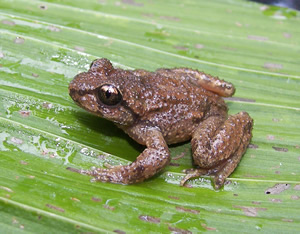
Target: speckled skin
(165, 107)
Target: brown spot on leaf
(297, 187)
(250, 211)
(273, 66)
(55, 208)
(258, 38)
(186, 185)
(35, 75)
(199, 46)
(275, 167)
(149, 219)
(275, 120)
(280, 149)
(75, 199)
(295, 197)
(256, 203)
(108, 207)
(271, 137)
(288, 220)
(208, 228)
(252, 146)
(179, 156)
(133, 3)
(119, 231)
(23, 162)
(47, 105)
(174, 164)
(8, 22)
(173, 197)
(179, 231)
(14, 220)
(287, 35)
(171, 18)
(276, 200)
(149, 15)
(182, 209)
(96, 199)
(278, 188)
(54, 28)
(24, 113)
(74, 170)
(181, 48)
(19, 40)
(238, 24)
(43, 7)
(78, 48)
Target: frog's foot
(109, 174)
(193, 173)
(219, 174)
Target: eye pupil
(109, 95)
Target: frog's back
(175, 104)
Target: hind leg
(218, 146)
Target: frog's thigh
(209, 82)
(219, 144)
(154, 158)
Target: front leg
(152, 160)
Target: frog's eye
(109, 95)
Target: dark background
(295, 4)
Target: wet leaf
(45, 139)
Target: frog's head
(97, 92)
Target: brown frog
(165, 107)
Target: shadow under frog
(107, 128)
(164, 107)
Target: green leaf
(44, 44)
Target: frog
(161, 108)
